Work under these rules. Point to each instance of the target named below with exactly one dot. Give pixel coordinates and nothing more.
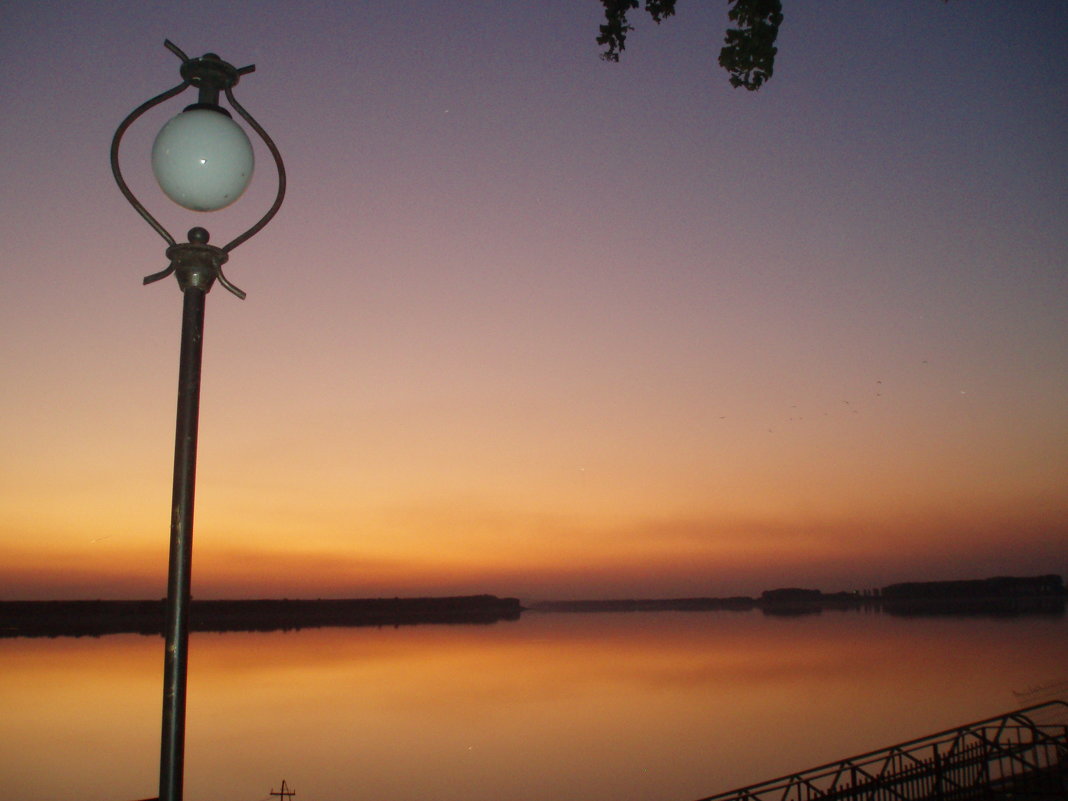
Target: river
(660, 706)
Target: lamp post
(203, 160)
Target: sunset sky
(534, 324)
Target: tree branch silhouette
(749, 52)
(749, 49)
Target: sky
(534, 324)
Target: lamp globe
(202, 159)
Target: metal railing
(1020, 752)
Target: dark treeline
(1000, 596)
(92, 618)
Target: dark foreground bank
(93, 618)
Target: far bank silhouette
(1003, 596)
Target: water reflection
(669, 706)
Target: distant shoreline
(94, 618)
(1001, 596)
(904, 607)
(998, 597)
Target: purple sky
(534, 324)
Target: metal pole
(196, 265)
(175, 663)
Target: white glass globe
(202, 160)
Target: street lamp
(203, 161)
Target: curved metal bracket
(210, 74)
(117, 172)
(280, 195)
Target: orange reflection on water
(80, 716)
(621, 706)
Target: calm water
(628, 707)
